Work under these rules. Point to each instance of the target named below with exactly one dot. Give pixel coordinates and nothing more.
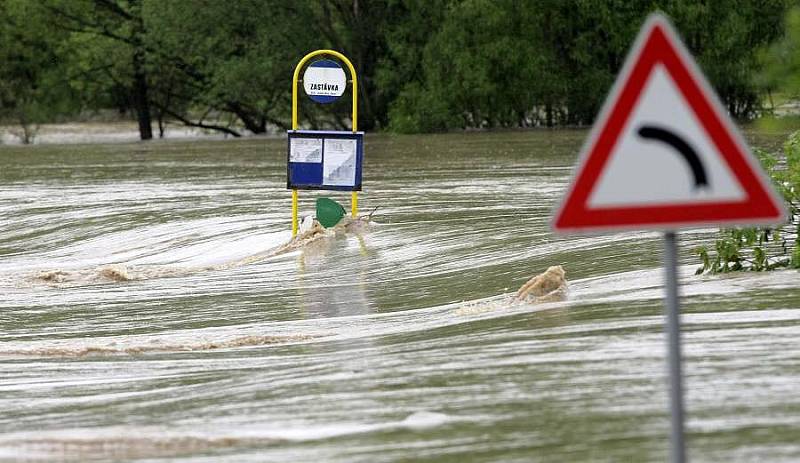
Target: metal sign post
(672, 306)
(663, 154)
(323, 91)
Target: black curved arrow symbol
(680, 145)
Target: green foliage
(509, 64)
(782, 60)
(727, 38)
(32, 87)
(423, 65)
(764, 248)
(213, 57)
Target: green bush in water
(763, 248)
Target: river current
(150, 311)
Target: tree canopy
(423, 65)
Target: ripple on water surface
(151, 310)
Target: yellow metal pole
(354, 82)
(294, 213)
(354, 195)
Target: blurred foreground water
(394, 344)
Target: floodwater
(149, 312)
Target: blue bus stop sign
(324, 81)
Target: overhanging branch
(199, 124)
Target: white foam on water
(425, 420)
(122, 442)
(623, 287)
(208, 255)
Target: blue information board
(324, 160)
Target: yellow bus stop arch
(354, 81)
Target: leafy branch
(763, 248)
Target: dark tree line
(424, 65)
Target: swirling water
(146, 315)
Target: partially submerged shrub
(764, 248)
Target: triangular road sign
(663, 153)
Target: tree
(110, 35)
(727, 38)
(506, 63)
(32, 89)
(782, 59)
(422, 65)
(214, 59)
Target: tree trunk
(161, 127)
(141, 102)
(252, 121)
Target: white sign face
(645, 169)
(305, 150)
(339, 167)
(324, 81)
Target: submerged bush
(764, 248)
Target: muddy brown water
(396, 343)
